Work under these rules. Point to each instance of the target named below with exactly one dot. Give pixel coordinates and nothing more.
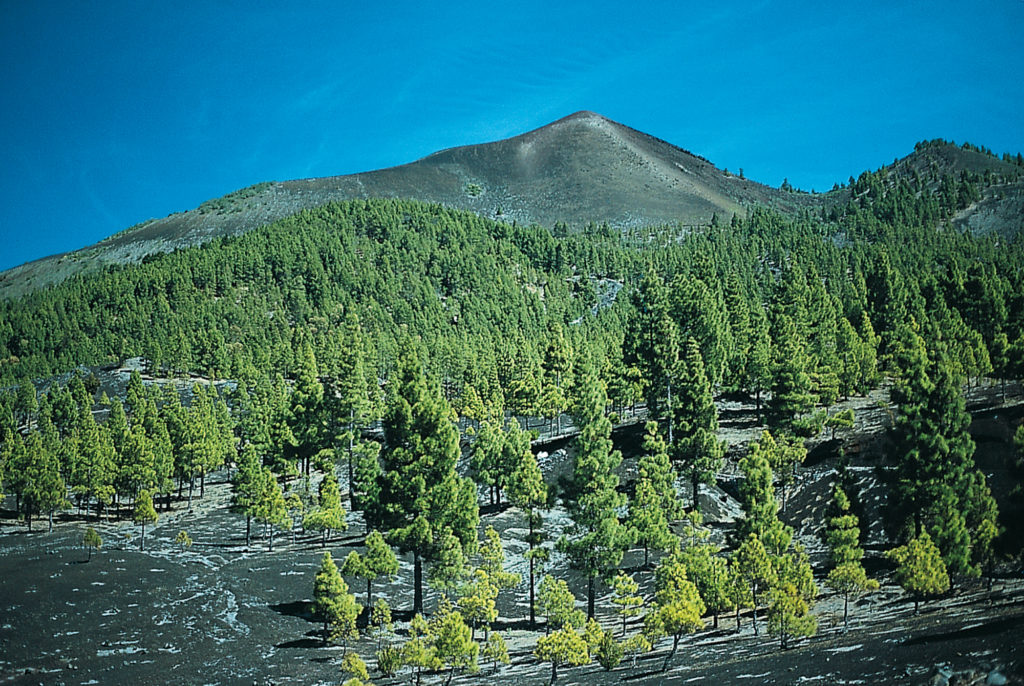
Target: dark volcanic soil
(220, 614)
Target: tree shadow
(298, 608)
(514, 625)
(302, 643)
(497, 508)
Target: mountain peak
(581, 168)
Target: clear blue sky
(115, 112)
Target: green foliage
(183, 540)
(144, 514)
(556, 602)
(330, 514)
(678, 607)
(354, 666)
(422, 500)
(789, 615)
(920, 569)
(390, 659)
(562, 647)
(452, 640)
(697, 449)
(495, 650)
(91, 540)
(528, 492)
(596, 540)
(712, 575)
(626, 600)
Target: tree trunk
(754, 610)
(675, 645)
(50, 530)
(351, 468)
(202, 483)
(191, 486)
(417, 580)
(533, 618)
(369, 595)
(590, 596)
(695, 482)
(846, 612)
(248, 525)
(671, 419)
(142, 541)
(554, 670)
(271, 546)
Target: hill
(581, 169)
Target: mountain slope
(579, 169)
(583, 168)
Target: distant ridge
(581, 168)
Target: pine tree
(378, 561)
(792, 400)
(449, 569)
(754, 567)
(936, 468)
(349, 404)
(453, 646)
(557, 603)
(920, 569)
(306, 411)
(678, 607)
(496, 651)
(596, 540)
(697, 448)
(563, 647)
(330, 514)
(757, 493)
(271, 508)
(92, 541)
(246, 485)
(419, 651)
(332, 603)
(421, 497)
(556, 365)
(788, 614)
(626, 601)
(711, 574)
(44, 490)
(144, 514)
(528, 492)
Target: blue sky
(116, 112)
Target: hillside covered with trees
(398, 368)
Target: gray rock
(995, 678)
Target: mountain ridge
(578, 169)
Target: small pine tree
(789, 615)
(183, 540)
(495, 650)
(920, 569)
(144, 514)
(626, 600)
(678, 607)
(563, 647)
(91, 541)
